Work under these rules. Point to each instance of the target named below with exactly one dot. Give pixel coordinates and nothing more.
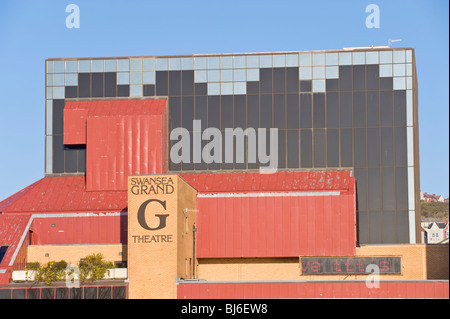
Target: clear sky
(32, 31)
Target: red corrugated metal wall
(275, 215)
(101, 229)
(325, 289)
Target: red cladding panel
(75, 115)
(324, 289)
(77, 230)
(275, 215)
(124, 138)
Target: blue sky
(32, 31)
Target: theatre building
(256, 175)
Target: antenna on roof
(390, 41)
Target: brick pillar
(161, 217)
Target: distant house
(435, 231)
(431, 197)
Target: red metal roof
(64, 194)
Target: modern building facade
(277, 169)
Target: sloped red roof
(63, 194)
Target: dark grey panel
(319, 110)
(123, 90)
(293, 148)
(306, 148)
(387, 146)
(401, 187)
(388, 227)
(363, 227)
(359, 109)
(359, 77)
(400, 108)
(373, 146)
(386, 108)
(346, 109)
(292, 111)
(373, 108)
(174, 112)
(375, 227)
(162, 83)
(305, 110)
(71, 160)
(110, 84)
(174, 82)
(266, 111)
(361, 188)
(187, 85)
(360, 147)
(333, 148)
(402, 226)
(346, 78)
(201, 88)
(332, 85)
(305, 86)
(71, 92)
(253, 111)
(401, 152)
(372, 76)
(346, 148)
(279, 111)
(201, 110)
(148, 90)
(253, 87)
(187, 103)
(84, 85)
(292, 80)
(281, 147)
(97, 84)
(214, 111)
(58, 116)
(58, 154)
(265, 80)
(226, 107)
(320, 148)
(373, 187)
(332, 110)
(279, 80)
(388, 188)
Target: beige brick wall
(73, 253)
(419, 262)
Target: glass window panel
(135, 90)
(239, 75)
(399, 69)
(200, 76)
(305, 73)
(319, 59)
(239, 62)
(58, 79)
(72, 79)
(49, 66)
(213, 62)
(361, 188)
(346, 109)
(400, 146)
(136, 77)
(410, 143)
(318, 72)
(408, 82)
(409, 108)
(174, 64)
(332, 148)
(399, 83)
(360, 147)
(266, 61)
(97, 65)
(292, 141)
(292, 109)
(345, 58)
(387, 146)
(110, 65)
(187, 63)
(49, 118)
(372, 57)
(49, 92)
(162, 64)
(123, 78)
(373, 146)
(374, 191)
(305, 110)
(408, 56)
(213, 88)
(359, 57)
(49, 155)
(84, 66)
(305, 59)
(240, 88)
(399, 56)
(386, 105)
(385, 57)
(320, 148)
(346, 148)
(226, 62)
(148, 64)
(136, 64)
(385, 70)
(332, 72)
(372, 76)
(213, 75)
(226, 75)
(306, 148)
(200, 63)
(411, 204)
(318, 85)
(291, 60)
(252, 74)
(332, 110)
(58, 92)
(388, 188)
(318, 110)
(332, 58)
(253, 61)
(279, 60)
(71, 67)
(58, 67)
(359, 77)
(149, 77)
(346, 78)
(123, 65)
(226, 88)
